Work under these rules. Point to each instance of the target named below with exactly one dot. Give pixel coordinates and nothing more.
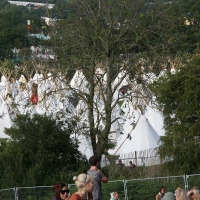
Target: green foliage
(39, 152)
(182, 36)
(13, 27)
(102, 33)
(148, 188)
(179, 96)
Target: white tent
(84, 145)
(156, 119)
(122, 79)
(79, 82)
(5, 120)
(140, 143)
(131, 115)
(143, 137)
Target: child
(115, 196)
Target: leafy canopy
(179, 95)
(39, 152)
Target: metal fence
(135, 189)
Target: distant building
(32, 4)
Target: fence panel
(193, 181)
(7, 194)
(35, 193)
(137, 189)
(146, 189)
(72, 188)
(113, 186)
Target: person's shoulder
(75, 197)
(93, 172)
(158, 196)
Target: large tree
(102, 39)
(178, 95)
(40, 151)
(110, 45)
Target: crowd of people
(120, 164)
(89, 186)
(179, 194)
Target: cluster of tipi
(137, 134)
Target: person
(98, 177)
(178, 188)
(169, 196)
(194, 194)
(160, 194)
(190, 195)
(84, 183)
(55, 188)
(181, 195)
(115, 196)
(61, 191)
(120, 164)
(132, 166)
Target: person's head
(178, 188)
(162, 190)
(61, 191)
(115, 195)
(181, 194)
(120, 161)
(94, 161)
(130, 162)
(169, 196)
(84, 182)
(194, 194)
(190, 195)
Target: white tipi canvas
(5, 120)
(143, 137)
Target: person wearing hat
(169, 196)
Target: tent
(140, 144)
(84, 145)
(5, 120)
(141, 138)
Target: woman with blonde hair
(181, 195)
(84, 183)
(194, 194)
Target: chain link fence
(135, 189)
